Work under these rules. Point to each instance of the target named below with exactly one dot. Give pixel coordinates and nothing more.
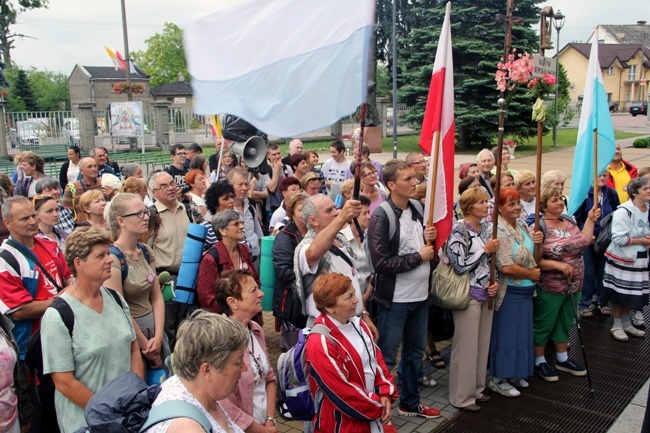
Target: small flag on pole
(438, 134)
(284, 79)
(113, 56)
(594, 117)
(121, 61)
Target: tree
(34, 90)
(9, 11)
(164, 57)
(21, 97)
(477, 47)
(50, 88)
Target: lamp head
(558, 20)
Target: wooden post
(509, 20)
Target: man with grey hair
(52, 187)
(132, 170)
(88, 182)
(324, 249)
(25, 290)
(101, 157)
(295, 148)
(485, 161)
(238, 178)
(168, 243)
(419, 164)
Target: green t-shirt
(98, 351)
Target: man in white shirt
(324, 249)
(336, 169)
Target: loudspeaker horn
(252, 152)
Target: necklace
(258, 362)
(75, 293)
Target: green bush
(641, 142)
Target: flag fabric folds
(120, 59)
(438, 126)
(113, 56)
(287, 66)
(595, 116)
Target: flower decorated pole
(539, 88)
(502, 78)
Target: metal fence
(35, 129)
(32, 129)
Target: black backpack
(34, 356)
(605, 234)
(124, 266)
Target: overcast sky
(75, 31)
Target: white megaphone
(252, 152)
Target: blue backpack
(295, 401)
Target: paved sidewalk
(562, 159)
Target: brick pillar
(87, 125)
(161, 123)
(4, 154)
(382, 105)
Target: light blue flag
(595, 116)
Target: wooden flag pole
(436, 152)
(509, 20)
(540, 134)
(596, 167)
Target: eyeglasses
(165, 186)
(371, 174)
(140, 214)
(418, 163)
(180, 153)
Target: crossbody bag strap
(172, 409)
(27, 253)
(337, 252)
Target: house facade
(625, 69)
(95, 84)
(179, 94)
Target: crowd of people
(95, 243)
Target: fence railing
(63, 128)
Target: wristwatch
(270, 418)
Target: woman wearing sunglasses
(129, 218)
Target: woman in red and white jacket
(349, 380)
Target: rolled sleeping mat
(185, 292)
(267, 273)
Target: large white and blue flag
(595, 117)
(286, 66)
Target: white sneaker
(637, 318)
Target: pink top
(566, 246)
(240, 405)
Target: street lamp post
(558, 23)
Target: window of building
(631, 74)
(610, 70)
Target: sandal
(618, 333)
(436, 360)
(427, 381)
